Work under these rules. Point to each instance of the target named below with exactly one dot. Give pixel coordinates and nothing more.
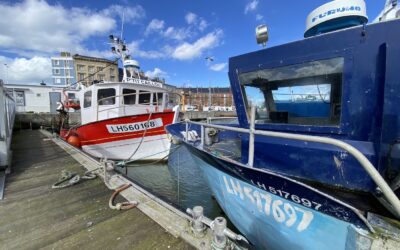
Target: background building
(205, 97)
(89, 69)
(63, 72)
(38, 98)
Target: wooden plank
(33, 215)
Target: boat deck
(33, 215)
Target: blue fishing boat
(314, 162)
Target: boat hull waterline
(139, 137)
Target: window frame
(84, 99)
(342, 128)
(141, 93)
(134, 95)
(113, 99)
(81, 76)
(293, 79)
(18, 99)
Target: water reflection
(180, 182)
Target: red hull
(123, 128)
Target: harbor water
(179, 182)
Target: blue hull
(273, 218)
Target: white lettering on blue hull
(281, 211)
(134, 127)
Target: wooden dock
(33, 215)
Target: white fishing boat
(123, 120)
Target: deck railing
(383, 186)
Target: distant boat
(320, 172)
(123, 120)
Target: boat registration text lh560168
(134, 127)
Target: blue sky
(169, 38)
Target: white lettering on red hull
(134, 127)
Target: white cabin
(38, 98)
(111, 100)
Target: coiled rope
(68, 178)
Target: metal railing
(137, 97)
(360, 157)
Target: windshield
(305, 94)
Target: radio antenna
(122, 24)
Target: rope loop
(122, 205)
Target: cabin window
(129, 96)
(71, 96)
(157, 98)
(305, 94)
(144, 97)
(106, 96)
(87, 99)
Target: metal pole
(202, 137)
(251, 139)
(209, 98)
(187, 131)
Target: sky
(170, 39)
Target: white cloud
(218, 66)
(28, 71)
(155, 25)
(177, 34)
(188, 51)
(251, 6)
(259, 17)
(134, 48)
(190, 18)
(195, 21)
(35, 27)
(183, 51)
(202, 25)
(157, 73)
(131, 14)
(195, 24)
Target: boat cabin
(343, 84)
(110, 100)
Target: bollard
(220, 233)
(197, 225)
(108, 170)
(219, 238)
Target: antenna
(122, 24)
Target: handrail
(360, 157)
(130, 94)
(209, 119)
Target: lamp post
(209, 59)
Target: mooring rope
(68, 178)
(122, 205)
(141, 141)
